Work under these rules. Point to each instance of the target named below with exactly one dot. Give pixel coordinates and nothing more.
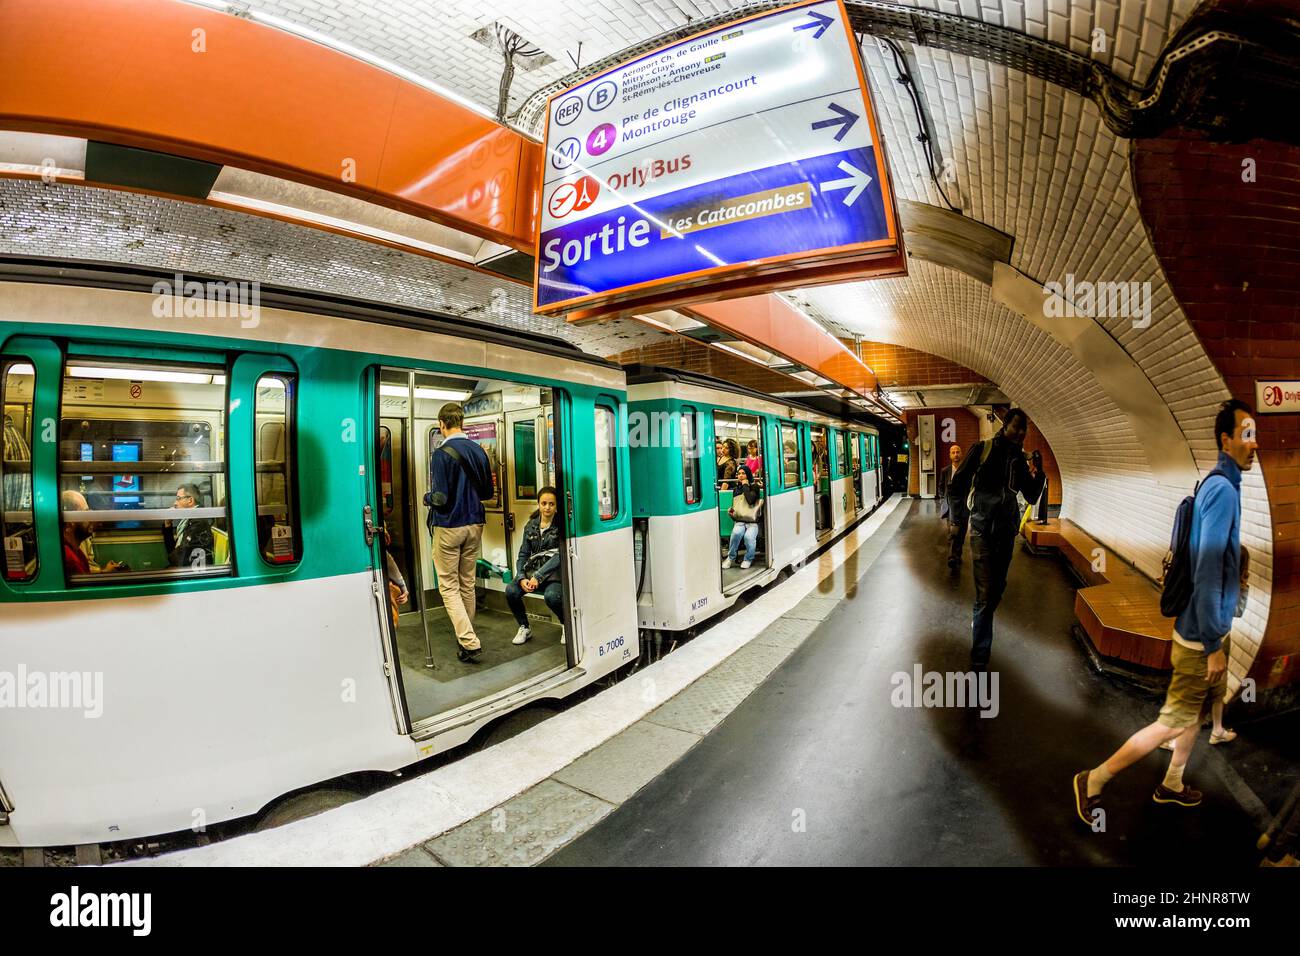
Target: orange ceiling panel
(181, 79)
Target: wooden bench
(1118, 609)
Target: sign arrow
(821, 22)
(844, 120)
(856, 179)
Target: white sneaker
(726, 563)
(745, 564)
(522, 635)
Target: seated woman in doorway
(539, 564)
(746, 509)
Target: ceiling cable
(927, 143)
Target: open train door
(377, 482)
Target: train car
(203, 510)
(817, 474)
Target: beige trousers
(455, 552)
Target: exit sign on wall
(1274, 397)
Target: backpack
(1176, 579)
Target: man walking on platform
(986, 487)
(460, 478)
(1201, 646)
(954, 518)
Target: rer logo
(568, 110)
(573, 197)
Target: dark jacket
(452, 499)
(945, 476)
(185, 539)
(1004, 475)
(539, 554)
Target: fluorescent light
(23, 369)
(445, 394)
(144, 375)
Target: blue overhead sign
(744, 150)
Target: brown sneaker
(1084, 805)
(1187, 797)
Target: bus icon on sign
(604, 94)
(566, 154)
(568, 110)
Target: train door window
(606, 469)
(17, 528)
(791, 456)
(690, 455)
(142, 472)
(279, 537)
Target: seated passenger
(746, 509)
(538, 567)
(77, 537)
(190, 543)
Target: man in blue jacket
(460, 478)
(1201, 646)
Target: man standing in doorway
(460, 479)
(986, 486)
(1200, 649)
(952, 514)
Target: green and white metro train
(148, 688)
(818, 475)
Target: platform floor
(817, 767)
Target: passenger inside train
(508, 597)
(746, 511)
(741, 521)
(539, 565)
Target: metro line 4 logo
(573, 197)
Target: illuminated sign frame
(879, 256)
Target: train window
(606, 469)
(279, 538)
(791, 456)
(842, 453)
(690, 455)
(142, 472)
(17, 529)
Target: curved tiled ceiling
(433, 38)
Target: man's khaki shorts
(1189, 694)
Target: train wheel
(300, 806)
